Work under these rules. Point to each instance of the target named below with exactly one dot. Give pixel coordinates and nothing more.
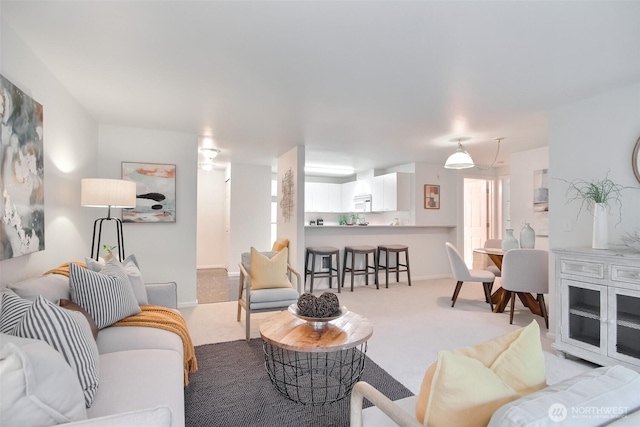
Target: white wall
(522, 166)
(211, 194)
(250, 211)
(165, 251)
(447, 179)
(293, 229)
(587, 139)
(70, 148)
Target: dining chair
(462, 274)
(526, 271)
(495, 244)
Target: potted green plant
(108, 250)
(598, 196)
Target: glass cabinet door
(624, 325)
(584, 323)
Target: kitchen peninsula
(380, 200)
(425, 242)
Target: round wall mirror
(635, 160)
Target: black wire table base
(316, 378)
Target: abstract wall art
(155, 192)
(21, 173)
(287, 192)
(431, 196)
(541, 202)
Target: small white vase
(509, 241)
(600, 227)
(527, 237)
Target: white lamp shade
(459, 160)
(117, 193)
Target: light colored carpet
(411, 324)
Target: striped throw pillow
(13, 310)
(107, 299)
(69, 333)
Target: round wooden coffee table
(314, 365)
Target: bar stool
(361, 250)
(394, 249)
(322, 251)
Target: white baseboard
(233, 273)
(188, 304)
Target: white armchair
(398, 413)
(264, 299)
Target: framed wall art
(541, 202)
(431, 196)
(155, 192)
(21, 173)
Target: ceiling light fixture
(209, 153)
(206, 166)
(495, 158)
(460, 159)
(329, 170)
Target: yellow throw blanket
(154, 316)
(64, 268)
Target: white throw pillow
(51, 286)
(38, 387)
(12, 311)
(70, 334)
(131, 269)
(107, 299)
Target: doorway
(482, 214)
(212, 238)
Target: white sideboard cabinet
(598, 305)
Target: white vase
(509, 241)
(527, 237)
(600, 227)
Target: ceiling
(363, 84)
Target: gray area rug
(232, 388)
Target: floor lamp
(109, 193)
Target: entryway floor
(214, 285)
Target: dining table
(500, 297)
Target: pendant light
(460, 159)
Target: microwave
(362, 203)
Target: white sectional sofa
(141, 376)
(603, 396)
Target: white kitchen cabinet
(598, 306)
(377, 193)
(363, 186)
(322, 197)
(391, 192)
(348, 193)
(334, 193)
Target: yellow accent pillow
(280, 244)
(269, 273)
(466, 386)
